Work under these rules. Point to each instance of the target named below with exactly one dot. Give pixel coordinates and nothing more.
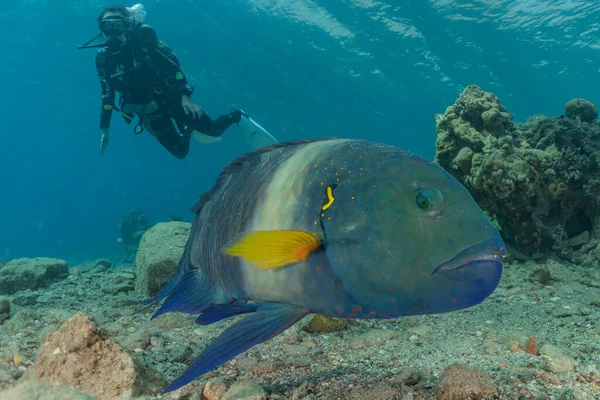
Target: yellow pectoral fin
(273, 249)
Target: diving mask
(113, 26)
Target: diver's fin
(272, 249)
(192, 294)
(205, 139)
(267, 322)
(255, 135)
(220, 312)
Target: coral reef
(132, 227)
(538, 180)
(581, 108)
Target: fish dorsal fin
(248, 158)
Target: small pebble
(156, 342)
(214, 390)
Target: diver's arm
(108, 100)
(165, 61)
(107, 92)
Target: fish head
(406, 238)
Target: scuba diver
(147, 75)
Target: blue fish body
(397, 236)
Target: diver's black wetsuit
(143, 69)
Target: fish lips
(475, 262)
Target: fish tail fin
(267, 321)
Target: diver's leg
(205, 124)
(206, 130)
(217, 126)
(165, 131)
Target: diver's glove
(103, 141)
(190, 108)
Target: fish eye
(429, 199)
(422, 200)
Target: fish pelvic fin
(192, 294)
(269, 320)
(219, 312)
(182, 269)
(188, 291)
(273, 249)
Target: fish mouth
(490, 251)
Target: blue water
(303, 69)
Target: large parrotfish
(345, 228)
